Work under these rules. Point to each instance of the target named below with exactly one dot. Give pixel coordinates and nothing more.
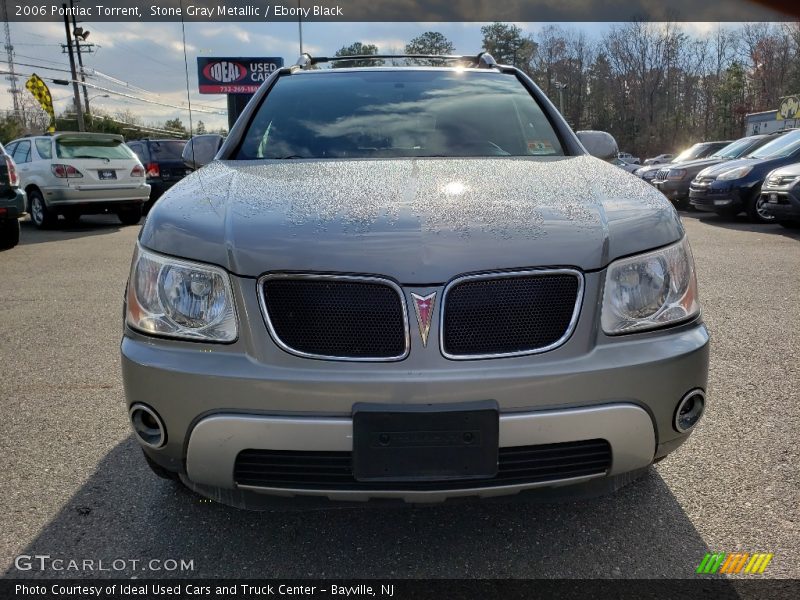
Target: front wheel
(682, 204)
(130, 216)
(757, 210)
(41, 216)
(9, 233)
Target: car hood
(695, 166)
(415, 220)
(654, 168)
(790, 170)
(730, 164)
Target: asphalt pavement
(75, 486)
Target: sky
(149, 56)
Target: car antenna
(186, 74)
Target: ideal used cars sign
(234, 75)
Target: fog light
(689, 410)
(148, 426)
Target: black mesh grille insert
(337, 317)
(333, 470)
(508, 314)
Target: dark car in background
(12, 201)
(735, 186)
(201, 150)
(699, 150)
(781, 194)
(673, 180)
(163, 164)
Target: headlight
(704, 173)
(650, 290)
(736, 173)
(676, 174)
(180, 299)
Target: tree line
(657, 87)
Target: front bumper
(722, 195)
(217, 400)
(674, 190)
(783, 203)
(91, 194)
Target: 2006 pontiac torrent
(410, 282)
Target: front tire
(682, 204)
(757, 210)
(9, 233)
(41, 216)
(130, 216)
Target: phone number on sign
(236, 89)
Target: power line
(130, 96)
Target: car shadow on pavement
(740, 223)
(124, 512)
(89, 225)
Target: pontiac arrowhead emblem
(423, 305)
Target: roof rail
(483, 60)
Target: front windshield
(414, 113)
(735, 149)
(690, 153)
(783, 146)
(167, 150)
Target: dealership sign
(789, 108)
(234, 75)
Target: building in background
(786, 116)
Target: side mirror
(201, 150)
(599, 144)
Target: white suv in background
(74, 174)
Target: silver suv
(74, 174)
(410, 282)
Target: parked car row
(757, 175)
(674, 179)
(699, 150)
(735, 186)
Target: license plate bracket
(425, 442)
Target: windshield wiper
(291, 156)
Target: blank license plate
(107, 174)
(427, 443)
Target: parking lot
(75, 485)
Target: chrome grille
(336, 317)
(509, 314)
(661, 175)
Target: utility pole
(12, 76)
(560, 87)
(75, 91)
(80, 58)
